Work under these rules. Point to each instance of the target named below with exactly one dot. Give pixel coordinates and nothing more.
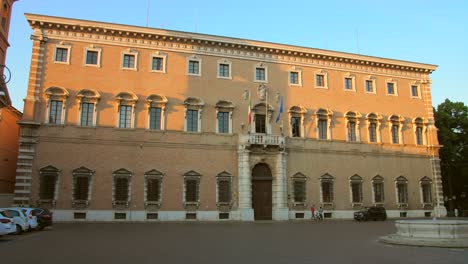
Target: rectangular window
(194, 67)
(125, 118)
(223, 70)
(155, 118)
(369, 86)
(224, 191)
(378, 192)
(327, 191)
(223, 122)
(192, 120)
(426, 193)
(293, 77)
(414, 91)
(260, 123)
(92, 57)
(121, 189)
(87, 113)
(348, 83)
(402, 193)
(299, 191)
(61, 54)
(157, 64)
(373, 132)
(81, 188)
(352, 131)
(295, 126)
(322, 129)
(129, 61)
(153, 190)
(320, 80)
(191, 191)
(356, 190)
(47, 188)
(391, 88)
(55, 112)
(395, 132)
(260, 74)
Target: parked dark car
(44, 217)
(371, 213)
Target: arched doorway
(262, 192)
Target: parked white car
(19, 218)
(7, 226)
(32, 219)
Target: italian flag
(250, 111)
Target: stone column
(246, 212)
(280, 188)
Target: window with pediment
(378, 190)
(153, 188)
(121, 188)
(352, 121)
(56, 101)
(299, 188)
(326, 189)
(193, 114)
(224, 110)
(323, 117)
(126, 109)
(156, 111)
(48, 184)
(87, 103)
(373, 127)
(355, 183)
(395, 124)
(296, 117)
(82, 178)
(426, 190)
(401, 184)
(262, 118)
(191, 189)
(224, 189)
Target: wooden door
(262, 199)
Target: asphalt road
(329, 241)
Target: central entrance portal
(262, 192)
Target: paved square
(330, 241)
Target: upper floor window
(296, 114)
(62, 53)
(356, 189)
(326, 188)
(323, 123)
(224, 111)
(373, 127)
(224, 190)
(87, 100)
(260, 123)
(299, 188)
(81, 186)
(48, 183)
(415, 89)
(419, 131)
(395, 124)
(378, 189)
(370, 84)
(321, 79)
(295, 77)
(224, 69)
(426, 190)
(130, 59)
(125, 106)
(92, 56)
(121, 188)
(392, 87)
(402, 190)
(156, 111)
(261, 74)
(194, 65)
(349, 82)
(193, 111)
(158, 62)
(352, 126)
(153, 187)
(56, 99)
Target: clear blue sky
(428, 31)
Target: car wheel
(19, 230)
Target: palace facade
(126, 123)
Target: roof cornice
(52, 22)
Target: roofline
(228, 40)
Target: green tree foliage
(451, 118)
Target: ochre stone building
(9, 115)
(126, 123)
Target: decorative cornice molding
(228, 47)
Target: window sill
(225, 78)
(194, 74)
(403, 206)
(92, 65)
(156, 71)
(129, 69)
(349, 90)
(321, 87)
(61, 62)
(261, 81)
(295, 84)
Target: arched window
(156, 111)
(378, 190)
(352, 121)
(373, 127)
(87, 101)
(323, 117)
(261, 122)
(419, 131)
(224, 111)
(355, 182)
(56, 101)
(126, 109)
(193, 114)
(395, 124)
(296, 117)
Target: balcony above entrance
(262, 139)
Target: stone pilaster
(280, 188)
(439, 208)
(246, 212)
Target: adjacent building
(9, 130)
(126, 123)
